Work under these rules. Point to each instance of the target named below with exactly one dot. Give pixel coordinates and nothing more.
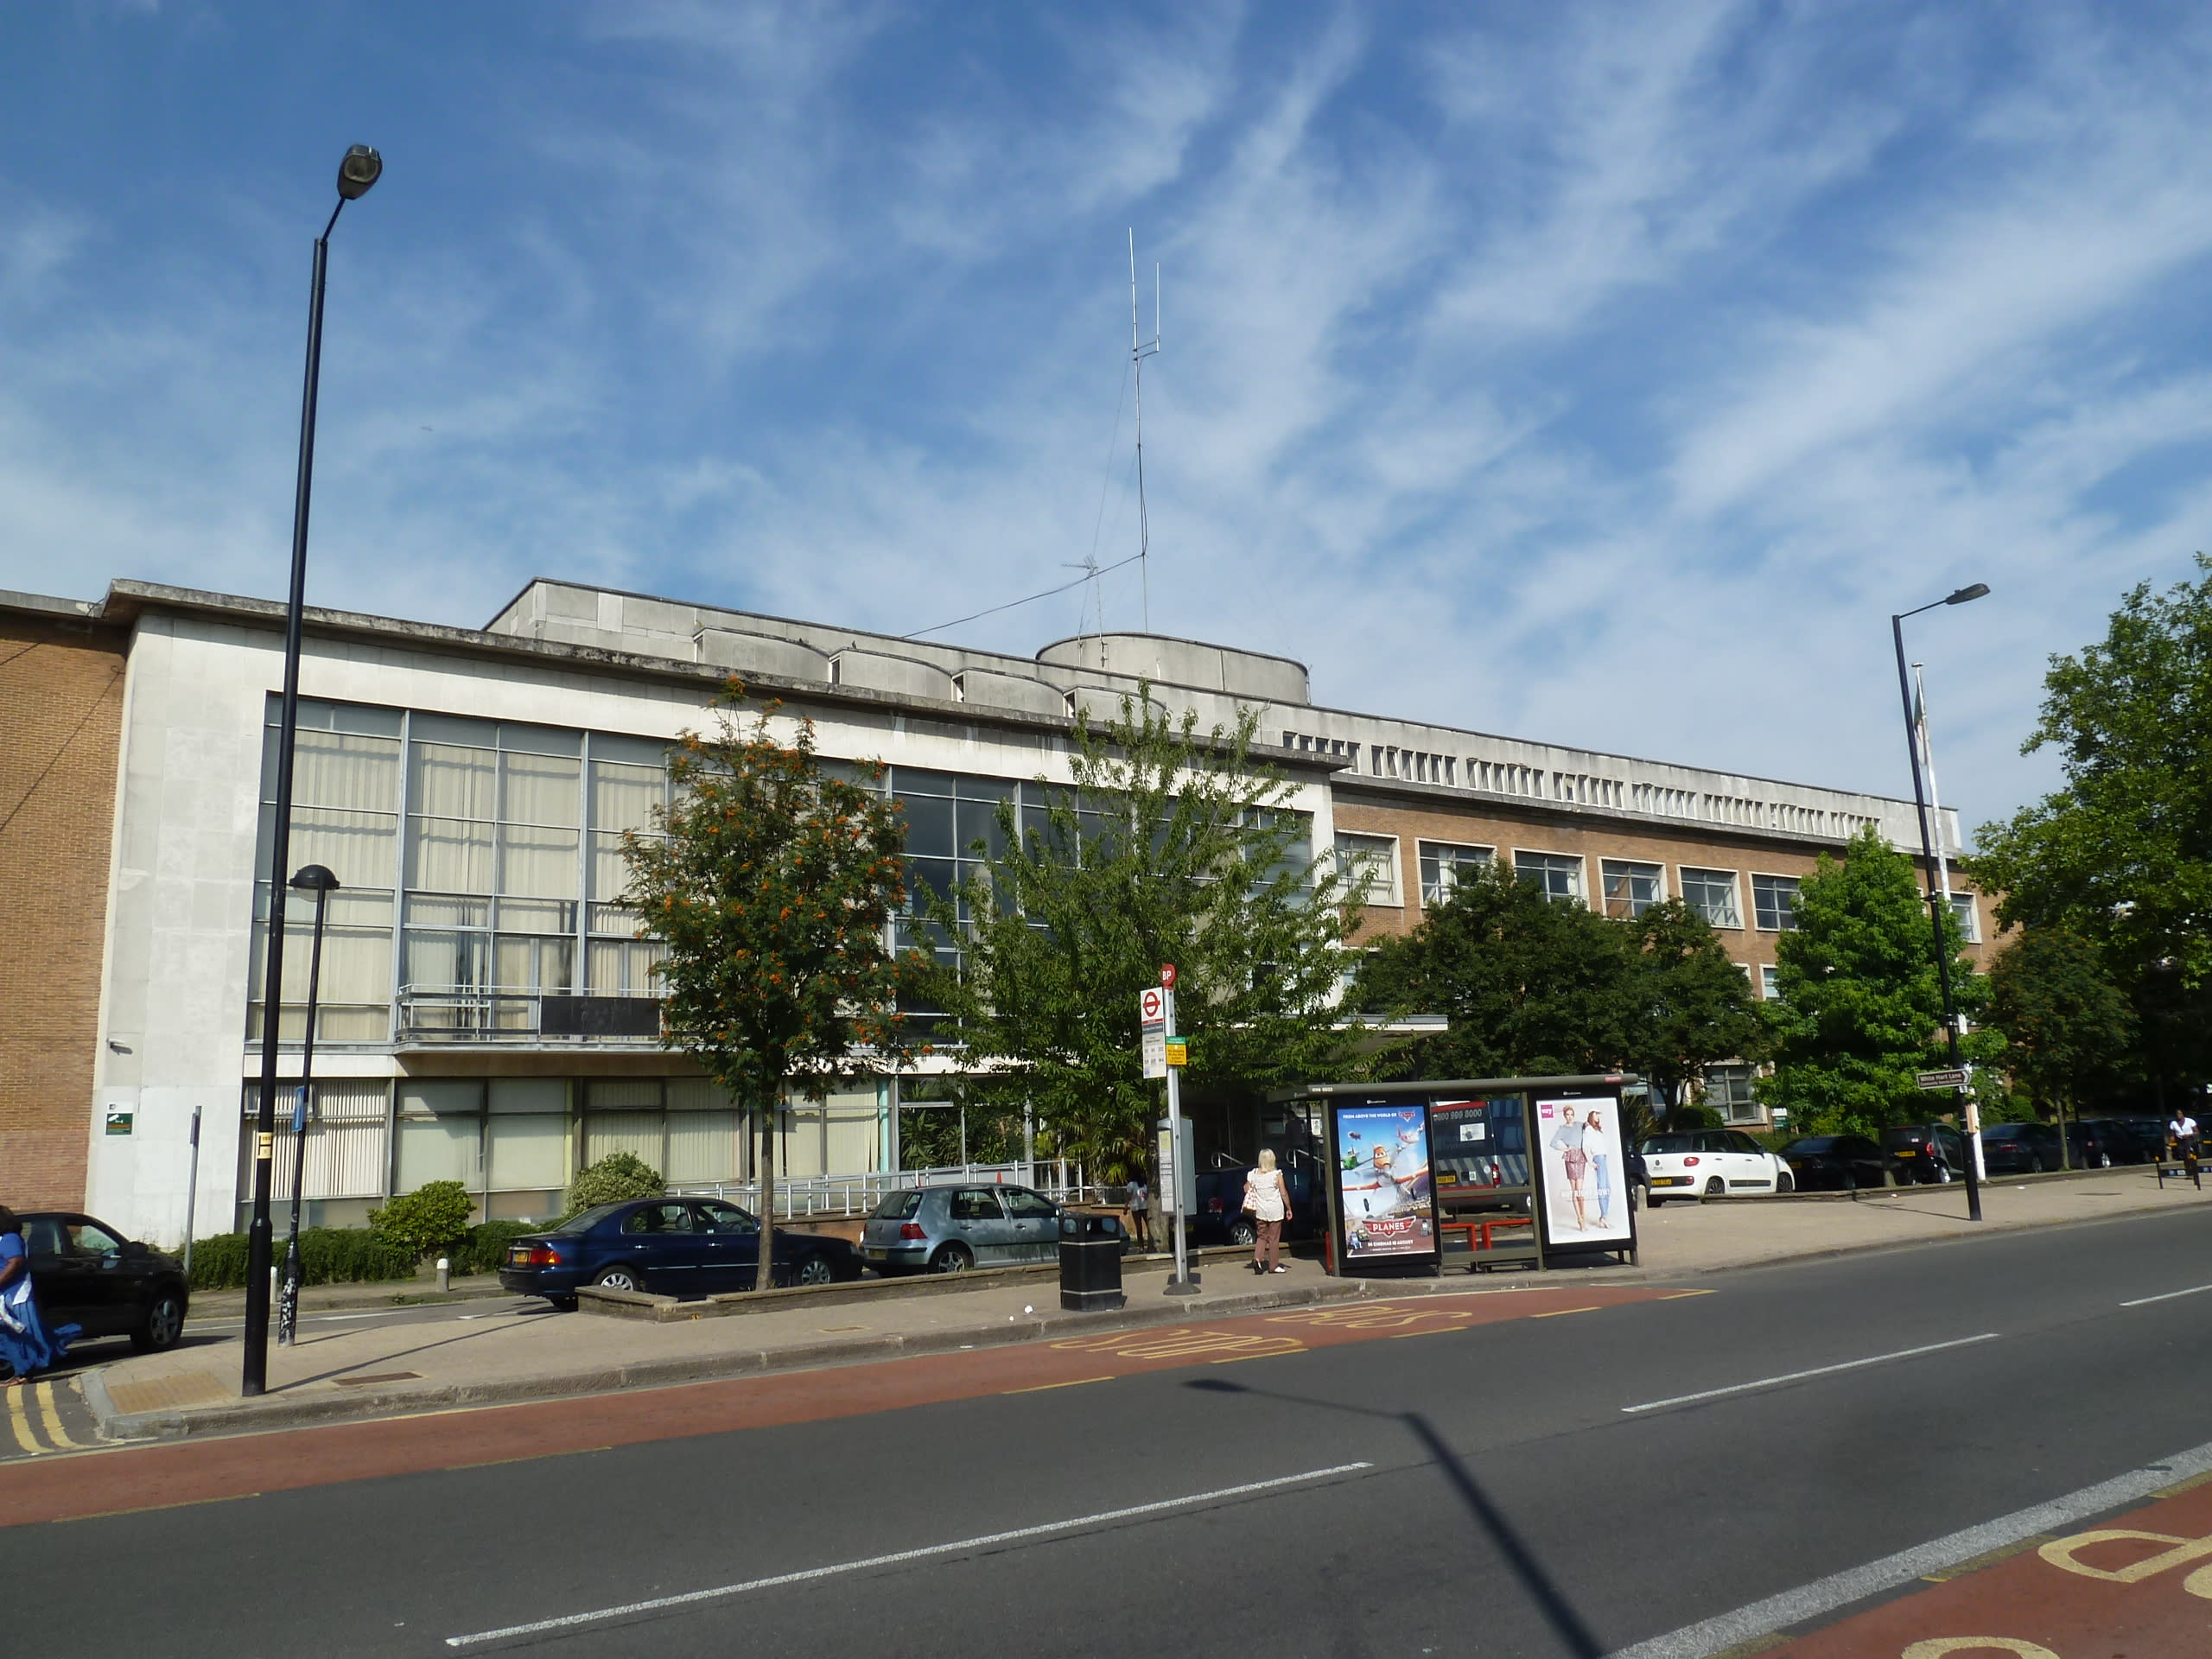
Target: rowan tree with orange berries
(771, 880)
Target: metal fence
(857, 1195)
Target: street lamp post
(356, 173)
(321, 883)
(1936, 901)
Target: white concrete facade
(176, 996)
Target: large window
(1444, 865)
(1969, 922)
(1728, 1091)
(1712, 893)
(1369, 864)
(1631, 888)
(1774, 903)
(1557, 875)
(1771, 982)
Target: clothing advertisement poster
(1586, 1183)
(1382, 1175)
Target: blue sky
(1600, 374)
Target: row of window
(1627, 887)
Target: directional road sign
(1948, 1078)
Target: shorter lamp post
(1937, 900)
(321, 883)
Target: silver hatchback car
(952, 1228)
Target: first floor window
(1712, 893)
(1969, 923)
(1444, 865)
(1728, 1091)
(1774, 903)
(1370, 867)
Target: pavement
(363, 1352)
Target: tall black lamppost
(1928, 854)
(321, 883)
(355, 174)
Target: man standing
(1140, 1211)
(2182, 1132)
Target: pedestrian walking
(25, 1343)
(1267, 1200)
(2181, 1131)
(1140, 1212)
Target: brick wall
(1593, 840)
(60, 710)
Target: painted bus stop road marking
(45, 1417)
(131, 1479)
(2140, 1585)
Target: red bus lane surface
(122, 1480)
(2137, 1587)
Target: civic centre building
(469, 788)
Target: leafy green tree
(1861, 1010)
(1528, 986)
(1172, 846)
(618, 1176)
(2070, 1029)
(1689, 1006)
(772, 881)
(2122, 854)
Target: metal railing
(858, 1194)
(496, 1013)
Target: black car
(1924, 1153)
(1220, 1217)
(2104, 1142)
(86, 1273)
(1836, 1163)
(671, 1247)
(2019, 1149)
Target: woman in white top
(1267, 1200)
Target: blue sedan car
(671, 1247)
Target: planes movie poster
(1385, 1193)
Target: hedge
(350, 1256)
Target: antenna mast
(1140, 349)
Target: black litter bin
(1091, 1264)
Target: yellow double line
(20, 1421)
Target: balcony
(438, 1017)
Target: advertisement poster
(1383, 1174)
(1586, 1184)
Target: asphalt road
(1515, 1488)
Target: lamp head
(360, 169)
(1966, 594)
(313, 877)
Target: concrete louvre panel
(980, 685)
(762, 653)
(900, 676)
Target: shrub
(328, 1255)
(484, 1249)
(613, 1179)
(434, 1217)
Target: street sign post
(1164, 1057)
(1152, 1006)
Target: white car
(1711, 1164)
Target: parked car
(86, 1273)
(1836, 1163)
(2019, 1149)
(1925, 1154)
(1220, 1217)
(2150, 1133)
(952, 1228)
(2104, 1142)
(672, 1247)
(1711, 1164)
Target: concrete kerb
(275, 1412)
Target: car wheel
(619, 1279)
(1786, 1183)
(562, 1304)
(953, 1258)
(1243, 1233)
(163, 1324)
(1716, 1188)
(814, 1270)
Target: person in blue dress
(26, 1344)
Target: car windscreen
(2005, 1132)
(1903, 1140)
(1814, 1143)
(583, 1221)
(1671, 1143)
(900, 1206)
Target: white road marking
(1818, 1371)
(2143, 1301)
(691, 1597)
(1811, 1601)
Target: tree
(772, 882)
(1170, 846)
(2068, 1027)
(2122, 854)
(1689, 1006)
(1861, 1010)
(1528, 986)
